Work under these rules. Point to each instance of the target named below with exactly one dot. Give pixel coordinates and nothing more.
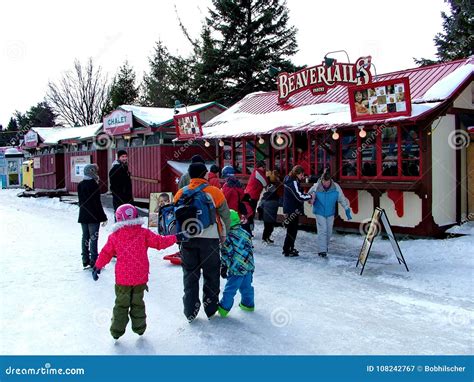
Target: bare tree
(80, 96)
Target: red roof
(421, 79)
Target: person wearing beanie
(200, 252)
(184, 180)
(237, 266)
(213, 176)
(91, 214)
(121, 181)
(129, 243)
(325, 195)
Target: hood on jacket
(128, 223)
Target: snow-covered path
(304, 305)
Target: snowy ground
(304, 305)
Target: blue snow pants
(238, 283)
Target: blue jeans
(238, 283)
(90, 235)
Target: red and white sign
(31, 139)
(384, 99)
(320, 78)
(188, 125)
(118, 122)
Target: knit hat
(197, 170)
(261, 163)
(197, 159)
(90, 171)
(126, 212)
(234, 218)
(120, 153)
(214, 169)
(228, 171)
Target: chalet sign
(318, 79)
(118, 122)
(31, 139)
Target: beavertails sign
(318, 79)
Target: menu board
(380, 100)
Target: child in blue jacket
(237, 265)
(325, 195)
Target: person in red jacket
(234, 193)
(129, 243)
(213, 176)
(257, 182)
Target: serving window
(386, 152)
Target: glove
(223, 271)
(181, 236)
(348, 214)
(95, 273)
(104, 223)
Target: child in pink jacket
(129, 243)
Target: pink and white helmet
(126, 212)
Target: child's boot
(247, 308)
(222, 311)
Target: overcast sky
(40, 39)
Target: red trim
(397, 197)
(353, 196)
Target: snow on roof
(156, 116)
(444, 88)
(52, 135)
(259, 113)
(182, 167)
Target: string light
(221, 143)
(261, 141)
(206, 143)
(362, 132)
(335, 134)
(279, 140)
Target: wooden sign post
(379, 218)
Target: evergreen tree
(12, 125)
(41, 115)
(123, 90)
(456, 41)
(156, 84)
(250, 35)
(21, 120)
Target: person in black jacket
(120, 181)
(91, 214)
(293, 199)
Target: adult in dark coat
(269, 207)
(293, 199)
(120, 181)
(91, 213)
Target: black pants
(90, 235)
(197, 254)
(250, 220)
(267, 230)
(291, 233)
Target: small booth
(11, 159)
(27, 173)
(60, 154)
(397, 141)
(149, 136)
